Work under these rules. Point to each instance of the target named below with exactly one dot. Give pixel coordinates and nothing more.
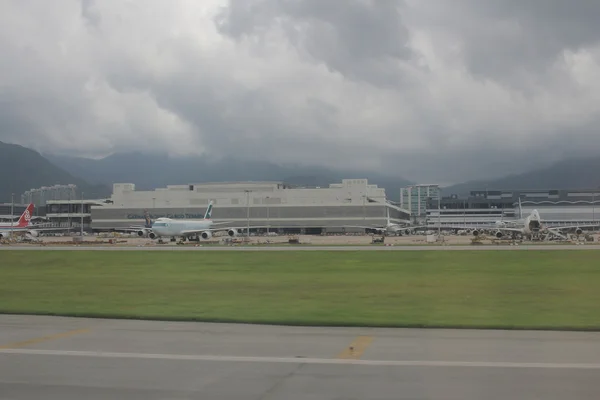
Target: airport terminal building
(281, 207)
(484, 207)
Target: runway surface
(303, 248)
(69, 358)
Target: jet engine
(142, 233)
(206, 235)
(34, 233)
(498, 234)
(475, 232)
(152, 235)
(578, 231)
(234, 232)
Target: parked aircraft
(23, 225)
(527, 227)
(186, 228)
(390, 228)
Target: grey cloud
(361, 39)
(255, 87)
(514, 41)
(89, 13)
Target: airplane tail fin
(208, 214)
(147, 219)
(26, 216)
(520, 209)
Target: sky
(431, 90)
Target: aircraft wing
(571, 227)
(478, 227)
(435, 227)
(133, 228)
(196, 231)
(505, 229)
(359, 227)
(33, 228)
(373, 228)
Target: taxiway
(300, 248)
(72, 358)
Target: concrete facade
(41, 196)
(556, 207)
(273, 204)
(416, 198)
(9, 211)
(71, 213)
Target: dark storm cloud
(514, 40)
(432, 90)
(361, 39)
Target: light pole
(247, 213)
(12, 214)
(81, 228)
(439, 216)
(364, 197)
(69, 212)
(268, 198)
(594, 206)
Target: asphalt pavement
(72, 358)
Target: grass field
(493, 289)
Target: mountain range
(22, 169)
(149, 171)
(581, 173)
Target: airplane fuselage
(533, 223)
(173, 227)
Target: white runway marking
(298, 360)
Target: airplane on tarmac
(141, 230)
(389, 228)
(23, 226)
(186, 228)
(527, 227)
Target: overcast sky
(436, 90)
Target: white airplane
(23, 226)
(389, 228)
(532, 224)
(185, 228)
(141, 230)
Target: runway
(69, 358)
(303, 248)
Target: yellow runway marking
(356, 348)
(24, 343)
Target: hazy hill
(149, 171)
(569, 174)
(22, 169)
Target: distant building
(556, 207)
(286, 208)
(71, 213)
(415, 199)
(40, 196)
(5, 211)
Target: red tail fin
(26, 216)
